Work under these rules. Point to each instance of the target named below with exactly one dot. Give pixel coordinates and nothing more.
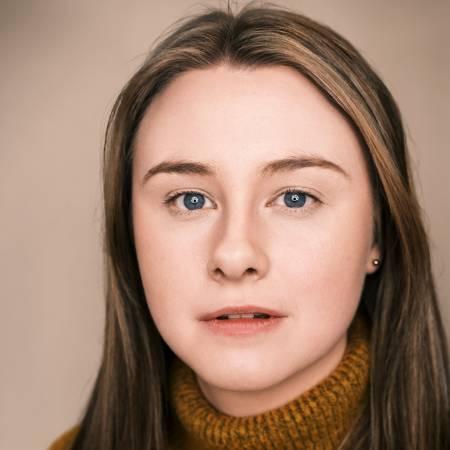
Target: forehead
(236, 118)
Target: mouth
(246, 312)
(243, 324)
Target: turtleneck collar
(318, 418)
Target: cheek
(169, 269)
(323, 260)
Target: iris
(193, 199)
(295, 198)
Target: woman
(269, 282)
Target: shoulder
(64, 441)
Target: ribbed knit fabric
(317, 419)
(65, 440)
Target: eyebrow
(270, 168)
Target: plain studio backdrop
(62, 64)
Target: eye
(295, 200)
(193, 200)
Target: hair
(407, 406)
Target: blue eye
(294, 199)
(192, 200)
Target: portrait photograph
(225, 225)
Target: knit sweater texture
(318, 418)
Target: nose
(238, 253)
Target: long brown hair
(408, 401)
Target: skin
(247, 244)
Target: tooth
(243, 316)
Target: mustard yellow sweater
(318, 418)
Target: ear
(374, 253)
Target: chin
(242, 378)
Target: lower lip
(243, 327)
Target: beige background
(62, 64)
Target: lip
(241, 309)
(243, 327)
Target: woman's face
(242, 239)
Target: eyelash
(171, 199)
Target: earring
(376, 262)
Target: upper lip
(241, 309)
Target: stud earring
(376, 262)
